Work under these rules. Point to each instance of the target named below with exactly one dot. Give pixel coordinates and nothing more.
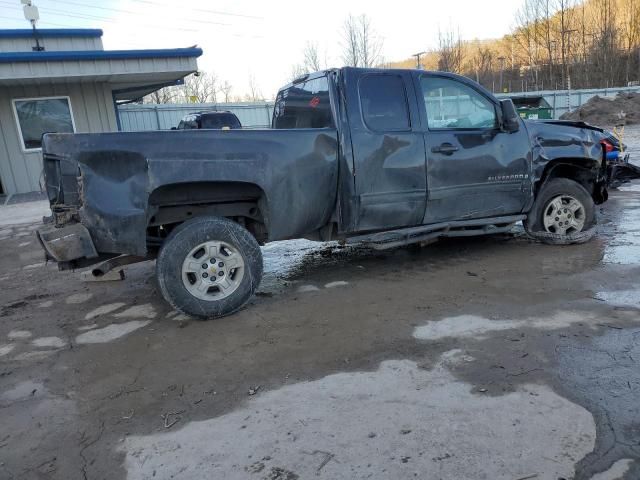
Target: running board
(425, 233)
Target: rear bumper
(66, 244)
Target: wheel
(563, 212)
(209, 267)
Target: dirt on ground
(623, 109)
(490, 358)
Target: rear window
(187, 123)
(219, 120)
(304, 105)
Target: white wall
(93, 112)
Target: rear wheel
(563, 212)
(209, 267)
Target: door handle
(445, 149)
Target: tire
(230, 254)
(576, 222)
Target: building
(62, 80)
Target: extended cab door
(388, 149)
(474, 169)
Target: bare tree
(311, 58)
(369, 44)
(226, 90)
(450, 51)
(350, 42)
(164, 95)
(200, 87)
(254, 95)
(361, 46)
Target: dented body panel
(343, 181)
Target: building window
(37, 116)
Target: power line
(116, 10)
(101, 19)
(45, 22)
(204, 10)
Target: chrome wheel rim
(564, 215)
(212, 270)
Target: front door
(474, 169)
(388, 149)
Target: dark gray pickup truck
(380, 157)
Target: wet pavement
(489, 358)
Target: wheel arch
(243, 202)
(581, 170)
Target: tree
(369, 44)
(225, 90)
(201, 87)
(450, 51)
(254, 95)
(361, 45)
(311, 58)
(350, 42)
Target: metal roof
(88, 55)
(50, 32)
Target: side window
(383, 101)
(451, 104)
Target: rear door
(474, 169)
(388, 149)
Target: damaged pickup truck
(379, 157)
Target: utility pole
(502, 59)
(417, 57)
(566, 58)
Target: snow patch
(84, 328)
(15, 334)
(23, 391)
(5, 349)
(103, 310)
(395, 420)
(616, 472)
(339, 283)
(621, 298)
(111, 332)
(24, 213)
(307, 288)
(33, 265)
(465, 326)
(78, 298)
(49, 342)
(46, 304)
(138, 311)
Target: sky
(265, 39)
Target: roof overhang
(50, 32)
(131, 73)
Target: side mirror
(174, 128)
(510, 122)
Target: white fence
(563, 101)
(258, 115)
(135, 117)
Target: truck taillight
(608, 146)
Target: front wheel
(209, 267)
(562, 213)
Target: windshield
(304, 105)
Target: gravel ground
(489, 358)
